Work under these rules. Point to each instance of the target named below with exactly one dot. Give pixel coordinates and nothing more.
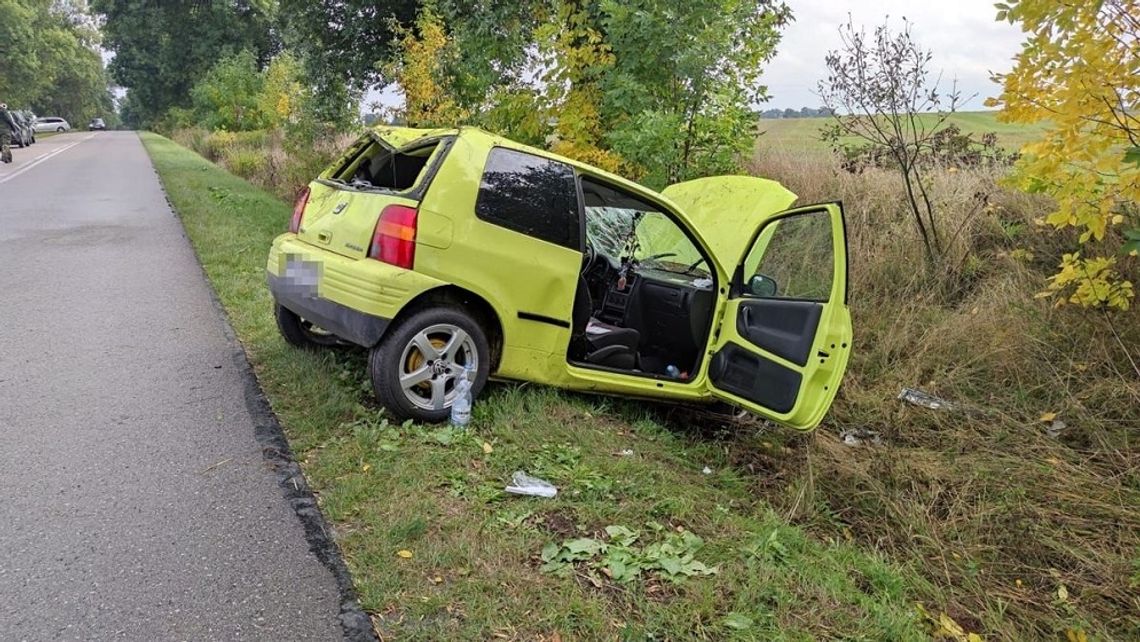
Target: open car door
(785, 336)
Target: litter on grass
(926, 400)
(860, 436)
(524, 484)
(1055, 429)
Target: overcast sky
(966, 40)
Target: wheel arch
(476, 305)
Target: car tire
(61, 130)
(399, 358)
(300, 333)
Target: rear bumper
(355, 299)
(346, 323)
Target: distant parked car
(52, 124)
(25, 131)
(96, 123)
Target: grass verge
(438, 551)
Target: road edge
(270, 436)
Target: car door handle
(324, 237)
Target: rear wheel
(61, 130)
(300, 333)
(416, 365)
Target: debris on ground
(524, 484)
(706, 470)
(917, 397)
(860, 437)
(1055, 429)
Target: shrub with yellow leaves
(1076, 73)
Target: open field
(803, 133)
(979, 513)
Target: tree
(18, 83)
(418, 69)
(50, 60)
(1077, 75)
(663, 89)
(283, 96)
(679, 98)
(227, 97)
(163, 48)
(876, 89)
(342, 43)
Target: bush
(247, 163)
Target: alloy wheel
(432, 363)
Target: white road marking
(8, 177)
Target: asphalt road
(134, 499)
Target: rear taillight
(299, 211)
(394, 241)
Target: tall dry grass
(996, 512)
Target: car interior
(379, 167)
(646, 293)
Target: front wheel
(416, 365)
(61, 130)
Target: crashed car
(440, 250)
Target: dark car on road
(25, 133)
(96, 123)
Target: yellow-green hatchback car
(441, 250)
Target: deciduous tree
(163, 48)
(1078, 73)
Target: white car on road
(51, 124)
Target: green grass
(474, 570)
(803, 133)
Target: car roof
(488, 139)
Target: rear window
(370, 165)
(532, 195)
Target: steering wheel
(589, 255)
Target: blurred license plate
(301, 276)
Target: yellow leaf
(405, 553)
(1049, 416)
(366, 467)
(948, 626)
(487, 449)
(1062, 593)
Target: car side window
(792, 259)
(532, 195)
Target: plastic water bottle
(673, 371)
(461, 407)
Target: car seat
(593, 341)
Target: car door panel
(784, 328)
(747, 375)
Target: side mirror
(762, 286)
